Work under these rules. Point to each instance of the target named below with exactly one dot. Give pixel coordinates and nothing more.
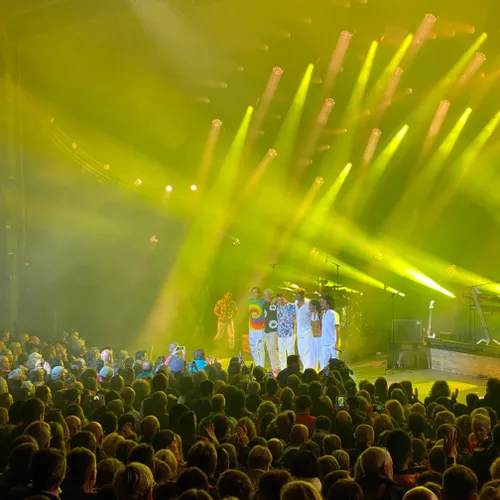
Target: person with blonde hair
(135, 482)
(110, 443)
(168, 457)
(299, 490)
(396, 411)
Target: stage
(376, 366)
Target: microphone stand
(337, 285)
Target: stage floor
(374, 367)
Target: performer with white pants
(286, 322)
(317, 341)
(329, 330)
(271, 327)
(304, 330)
(256, 326)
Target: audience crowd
(78, 423)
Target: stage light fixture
(168, 189)
(194, 188)
(138, 182)
(106, 166)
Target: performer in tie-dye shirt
(256, 326)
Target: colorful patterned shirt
(226, 308)
(286, 320)
(256, 314)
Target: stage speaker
(408, 356)
(408, 330)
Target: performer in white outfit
(317, 341)
(329, 330)
(304, 330)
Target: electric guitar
(429, 325)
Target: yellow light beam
(435, 127)
(312, 139)
(421, 114)
(419, 189)
(441, 268)
(313, 223)
(340, 154)
(300, 247)
(265, 102)
(335, 66)
(462, 167)
(201, 244)
(378, 168)
(377, 93)
(297, 217)
(208, 154)
(287, 134)
(356, 242)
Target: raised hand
(450, 443)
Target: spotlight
(168, 189)
(138, 182)
(272, 152)
(194, 188)
(106, 166)
(153, 239)
(216, 123)
(74, 145)
(277, 70)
